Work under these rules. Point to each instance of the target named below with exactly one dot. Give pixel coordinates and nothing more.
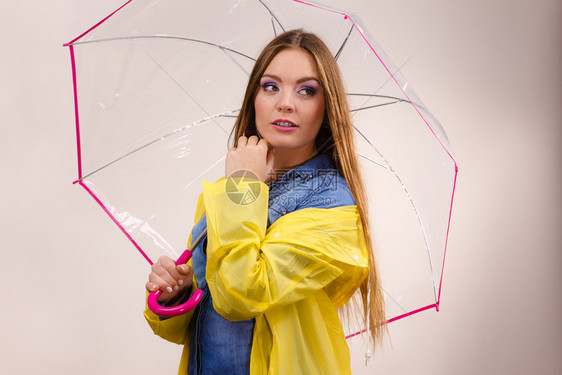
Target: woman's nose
(285, 103)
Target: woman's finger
(162, 284)
(165, 268)
(168, 293)
(151, 287)
(253, 140)
(184, 269)
(242, 141)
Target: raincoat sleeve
(251, 270)
(171, 329)
(175, 329)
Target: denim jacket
(219, 346)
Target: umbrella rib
(186, 93)
(225, 114)
(374, 106)
(344, 42)
(165, 37)
(381, 86)
(273, 26)
(235, 62)
(272, 18)
(205, 171)
(395, 301)
(192, 98)
(422, 228)
(377, 96)
(396, 100)
(374, 148)
(372, 160)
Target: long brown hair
(335, 138)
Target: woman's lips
(284, 125)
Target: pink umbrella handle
(169, 312)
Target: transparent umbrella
(158, 85)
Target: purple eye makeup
(269, 85)
(308, 90)
(305, 87)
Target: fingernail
(169, 289)
(176, 287)
(180, 282)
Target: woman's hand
(252, 154)
(173, 280)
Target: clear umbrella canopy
(158, 85)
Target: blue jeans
(216, 345)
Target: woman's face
(289, 103)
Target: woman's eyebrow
(273, 76)
(304, 79)
(300, 80)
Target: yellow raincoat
(290, 277)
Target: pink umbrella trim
(96, 25)
(114, 220)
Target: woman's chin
(283, 143)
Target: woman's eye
(270, 86)
(308, 91)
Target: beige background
(72, 286)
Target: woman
(280, 259)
